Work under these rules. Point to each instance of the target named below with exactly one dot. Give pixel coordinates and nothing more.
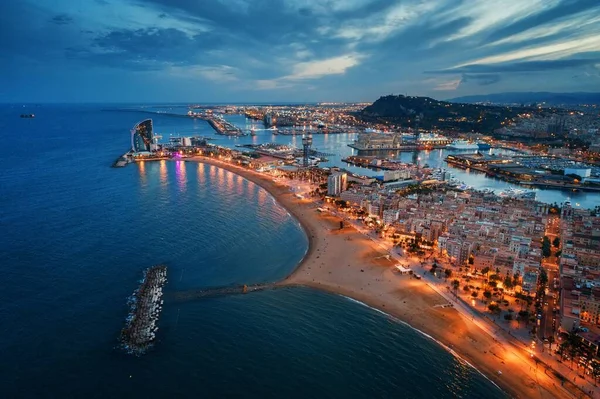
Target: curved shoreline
(358, 271)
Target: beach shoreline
(345, 262)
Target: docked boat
(462, 145)
(28, 116)
(482, 145)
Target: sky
(293, 50)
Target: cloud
(552, 51)
(273, 84)
(215, 74)
(484, 79)
(319, 68)
(525, 66)
(62, 19)
(342, 49)
(396, 18)
(485, 15)
(448, 86)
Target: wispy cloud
(319, 68)
(448, 86)
(352, 48)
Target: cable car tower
(417, 136)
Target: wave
(446, 347)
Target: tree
(516, 278)
(543, 277)
(455, 285)
(466, 288)
(595, 370)
(508, 282)
(474, 294)
(573, 344)
(448, 273)
(556, 242)
(508, 317)
(558, 253)
(485, 270)
(493, 308)
(546, 252)
(493, 284)
(487, 294)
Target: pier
(219, 291)
(399, 148)
(225, 128)
(145, 304)
(123, 160)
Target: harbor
(145, 305)
(333, 151)
(531, 170)
(224, 128)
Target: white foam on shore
(456, 355)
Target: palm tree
(595, 370)
(574, 345)
(455, 284)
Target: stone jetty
(145, 305)
(183, 296)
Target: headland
(346, 262)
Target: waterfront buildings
(336, 183)
(142, 137)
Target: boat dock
(225, 128)
(145, 305)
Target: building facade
(336, 183)
(142, 136)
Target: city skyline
(184, 50)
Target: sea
(76, 235)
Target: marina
(528, 170)
(145, 305)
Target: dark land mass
(529, 98)
(433, 114)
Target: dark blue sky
(293, 50)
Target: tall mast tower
(306, 144)
(417, 135)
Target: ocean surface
(76, 235)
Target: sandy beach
(347, 262)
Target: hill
(403, 110)
(532, 97)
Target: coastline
(358, 270)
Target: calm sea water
(76, 235)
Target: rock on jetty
(145, 305)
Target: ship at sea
(517, 193)
(462, 145)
